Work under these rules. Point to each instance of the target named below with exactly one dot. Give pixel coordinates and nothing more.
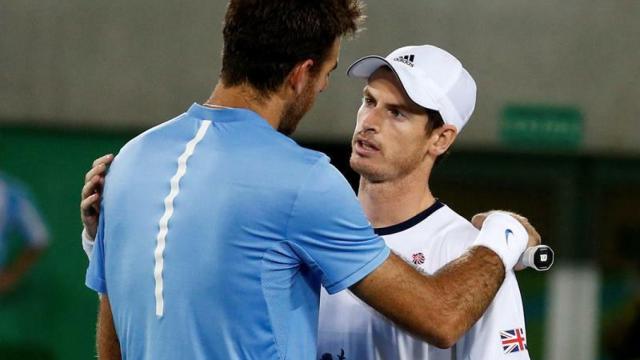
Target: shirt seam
(314, 262)
(279, 350)
(383, 253)
(295, 201)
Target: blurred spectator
(18, 215)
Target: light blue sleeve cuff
(360, 273)
(95, 284)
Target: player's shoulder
(307, 158)
(150, 134)
(319, 176)
(299, 162)
(147, 147)
(454, 222)
(457, 231)
(321, 188)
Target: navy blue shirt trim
(388, 230)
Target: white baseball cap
(432, 78)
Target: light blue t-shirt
(251, 223)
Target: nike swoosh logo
(506, 235)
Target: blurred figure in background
(18, 214)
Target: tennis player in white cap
(415, 103)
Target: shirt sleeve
(95, 277)
(328, 225)
(500, 333)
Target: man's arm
(504, 317)
(438, 308)
(10, 276)
(107, 339)
(441, 307)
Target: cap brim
(364, 67)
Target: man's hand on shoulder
(534, 238)
(91, 194)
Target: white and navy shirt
(351, 330)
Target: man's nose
(370, 120)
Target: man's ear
(299, 76)
(444, 137)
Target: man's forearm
(107, 339)
(438, 308)
(466, 287)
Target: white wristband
(505, 236)
(87, 243)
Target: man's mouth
(364, 147)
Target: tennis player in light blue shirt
(255, 224)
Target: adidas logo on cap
(441, 84)
(406, 59)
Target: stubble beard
(384, 170)
(293, 113)
(371, 173)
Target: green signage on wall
(549, 127)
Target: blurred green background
(51, 312)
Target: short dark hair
(435, 121)
(265, 39)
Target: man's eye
(396, 113)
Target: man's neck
(245, 97)
(390, 203)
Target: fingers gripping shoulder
(505, 236)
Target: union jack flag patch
(513, 340)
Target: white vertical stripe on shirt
(168, 212)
